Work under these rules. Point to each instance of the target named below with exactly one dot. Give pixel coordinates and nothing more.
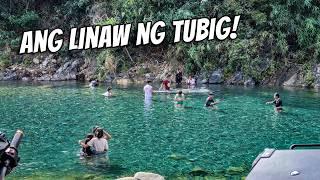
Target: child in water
(179, 98)
(277, 102)
(210, 102)
(87, 151)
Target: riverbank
(52, 68)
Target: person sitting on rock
(277, 102)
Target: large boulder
(295, 80)
(216, 77)
(147, 176)
(236, 79)
(67, 71)
(249, 82)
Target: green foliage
(4, 60)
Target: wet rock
(147, 176)
(249, 82)
(216, 77)
(236, 79)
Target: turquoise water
(156, 136)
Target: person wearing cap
(148, 90)
(277, 102)
(179, 98)
(109, 92)
(210, 102)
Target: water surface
(151, 136)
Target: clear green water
(147, 137)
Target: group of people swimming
(179, 98)
(96, 142)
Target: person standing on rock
(148, 90)
(277, 102)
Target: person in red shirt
(166, 84)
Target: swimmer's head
(149, 81)
(180, 92)
(109, 89)
(276, 95)
(99, 133)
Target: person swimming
(179, 99)
(277, 102)
(109, 92)
(94, 83)
(210, 102)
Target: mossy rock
(235, 170)
(197, 171)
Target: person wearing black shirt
(277, 103)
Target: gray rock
(26, 79)
(236, 79)
(294, 80)
(204, 81)
(10, 76)
(317, 76)
(249, 82)
(148, 176)
(45, 77)
(36, 61)
(216, 77)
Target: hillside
(278, 43)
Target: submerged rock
(147, 176)
(235, 170)
(197, 171)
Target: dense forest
(274, 37)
